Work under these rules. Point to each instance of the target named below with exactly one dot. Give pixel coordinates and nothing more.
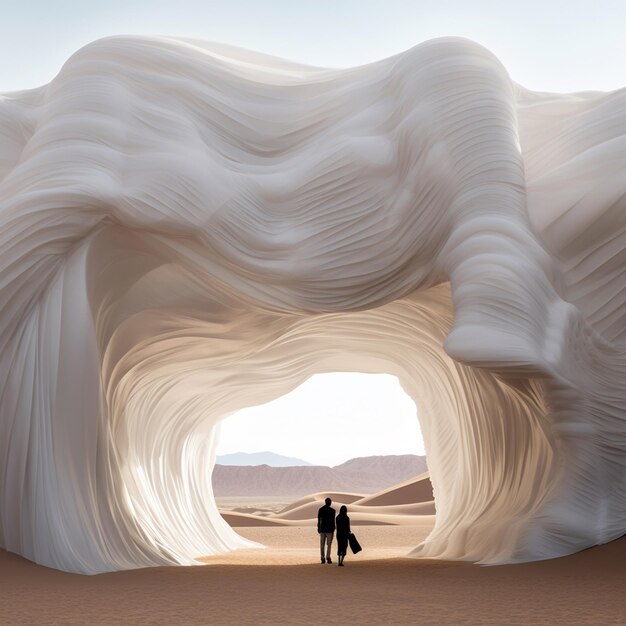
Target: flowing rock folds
(187, 229)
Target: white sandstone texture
(187, 229)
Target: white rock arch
(187, 229)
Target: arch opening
(474, 452)
(342, 433)
(329, 419)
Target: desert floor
(286, 584)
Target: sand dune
(241, 520)
(345, 498)
(309, 511)
(402, 504)
(418, 489)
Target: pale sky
(329, 419)
(565, 45)
(568, 45)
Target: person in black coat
(342, 523)
(326, 528)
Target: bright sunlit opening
(328, 420)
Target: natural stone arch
(403, 338)
(170, 239)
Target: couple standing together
(326, 523)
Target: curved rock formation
(188, 229)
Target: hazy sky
(329, 419)
(549, 45)
(568, 45)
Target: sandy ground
(281, 585)
(259, 505)
(299, 545)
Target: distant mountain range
(260, 458)
(361, 475)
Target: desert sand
(408, 503)
(280, 585)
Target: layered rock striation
(188, 229)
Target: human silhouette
(343, 532)
(326, 528)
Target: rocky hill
(361, 475)
(259, 458)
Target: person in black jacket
(326, 528)
(343, 530)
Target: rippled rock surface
(187, 229)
